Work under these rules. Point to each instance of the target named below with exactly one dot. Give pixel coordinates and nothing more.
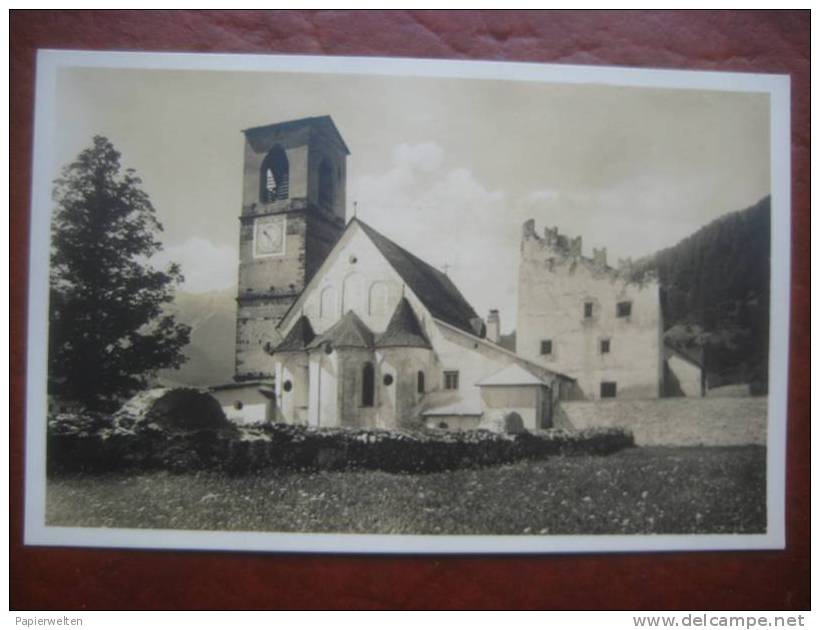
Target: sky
(449, 169)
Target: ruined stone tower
(588, 320)
(293, 211)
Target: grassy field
(642, 490)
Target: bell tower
(293, 212)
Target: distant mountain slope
(715, 293)
(212, 317)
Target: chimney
(493, 326)
(599, 257)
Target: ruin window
(604, 346)
(325, 184)
(420, 382)
(368, 384)
(546, 347)
(623, 309)
(451, 379)
(588, 309)
(609, 389)
(274, 180)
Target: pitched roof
(403, 330)
(348, 332)
(438, 293)
(298, 338)
(513, 374)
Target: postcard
(327, 304)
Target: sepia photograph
(347, 304)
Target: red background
(776, 42)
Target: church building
(337, 325)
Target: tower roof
(403, 330)
(323, 122)
(298, 338)
(348, 332)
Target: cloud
(446, 216)
(206, 267)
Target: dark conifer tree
(109, 332)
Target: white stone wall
(292, 406)
(454, 423)
(675, 421)
(554, 286)
(687, 375)
(523, 400)
(245, 404)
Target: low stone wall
(675, 421)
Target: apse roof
(298, 338)
(404, 329)
(349, 332)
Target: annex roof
(349, 332)
(403, 330)
(513, 374)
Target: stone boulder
(502, 422)
(171, 410)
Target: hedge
(293, 447)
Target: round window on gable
(388, 379)
(353, 260)
(287, 386)
(238, 405)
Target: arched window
(273, 181)
(420, 382)
(325, 184)
(368, 384)
(354, 294)
(327, 303)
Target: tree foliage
(715, 294)
(109, 332)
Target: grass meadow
(650, 490)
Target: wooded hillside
(715, 294)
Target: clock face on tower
(269, 236)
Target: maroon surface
(775, 42)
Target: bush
(283, 446)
